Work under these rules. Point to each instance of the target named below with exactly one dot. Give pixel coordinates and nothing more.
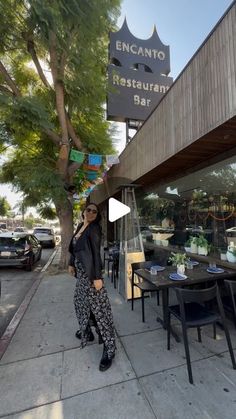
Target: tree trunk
(65, 214)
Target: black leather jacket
(86, 249)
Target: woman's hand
(98, 284)
(71, 270)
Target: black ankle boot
(78, 334)
(105, 362)
(90, 335)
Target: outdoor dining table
(197, 275)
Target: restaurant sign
(137, 74)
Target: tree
(53, 57)
(4, 206)
(47, 212)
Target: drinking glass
(189, 264)
(212, 265)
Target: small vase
(202, 250)
(181, 269)
(230, 257)
(193, 248)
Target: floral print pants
(87, 299)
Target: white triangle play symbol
(116, 209)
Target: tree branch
(59, 88)
(62, 162)
(53, 56)
(64, 54)
(9, 81)
(6, 90)
(32, 51)
(54, 137)
(72, 168)
(62, 64)
(72, 134)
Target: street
(16, 282)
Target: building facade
(184, 155)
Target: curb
(50, 260)
(15, 321)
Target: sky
(181, 24)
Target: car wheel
(30, 263)
(53, 245)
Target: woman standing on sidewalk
(90, 297)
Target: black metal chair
(111, 256)
(108, 257)
(229, 301)
(105, 253)
(142, 285)
(115, 267)
(192, 312)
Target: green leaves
(4, 206)
(47, 212)
(29, 113)
(178, 258)
(67, 39)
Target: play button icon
(116, 209)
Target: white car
(45, 236)
(20, 230)
(231, 230)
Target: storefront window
(200, 204)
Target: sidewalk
(44, 375)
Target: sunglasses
(91, 210)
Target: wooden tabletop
(194, 276)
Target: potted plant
(223, 254)
(179, 260)
(202, 244)
(231, 254)
(187, 246)
(193, 244)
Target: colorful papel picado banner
(76, 155)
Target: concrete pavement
(44, 374)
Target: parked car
(231, 235)
(45, 236)
(19, 249)
(20, 230)
(231, 232)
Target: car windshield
(12, 241)
(43, 231)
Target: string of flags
(95, 160)
(92, 168)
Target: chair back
(196, 296)
(231, 285)
(200, 296)
(142, 265)
(116, 256)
